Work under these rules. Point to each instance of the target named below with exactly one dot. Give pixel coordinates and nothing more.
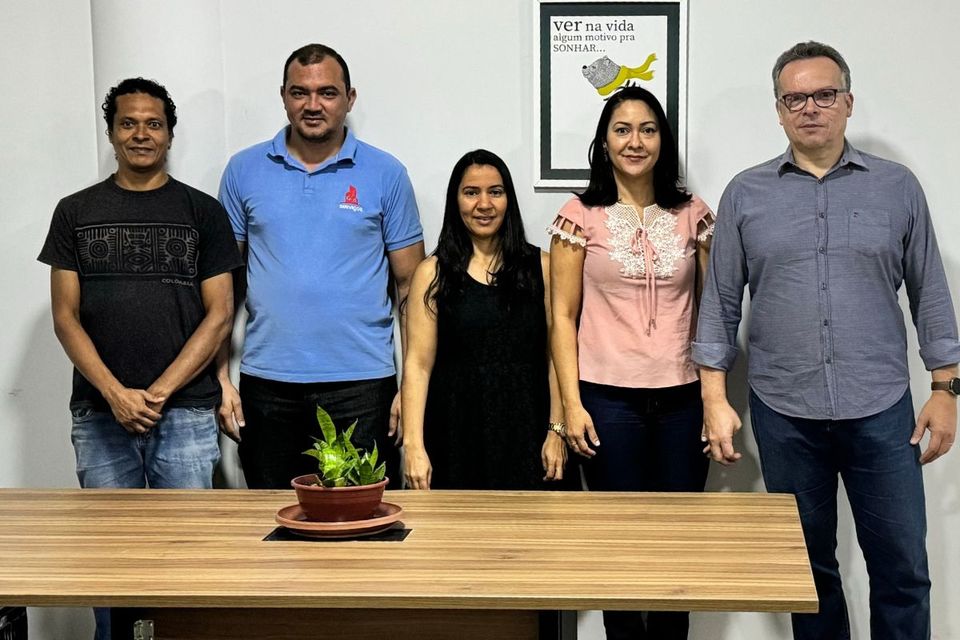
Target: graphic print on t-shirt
(137, 249)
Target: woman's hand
(580, 431)
(416, 468)
(553, 454)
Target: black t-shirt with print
(140, 257)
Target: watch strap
(952, 385)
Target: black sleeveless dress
(488, 402)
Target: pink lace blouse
(638, 314)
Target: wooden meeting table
(473, 565)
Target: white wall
(435, 78)
(49, 128)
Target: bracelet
(559, 428)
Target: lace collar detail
(627, 226)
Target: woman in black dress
(479, 394)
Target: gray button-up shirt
(824, 259)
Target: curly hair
(139, 85)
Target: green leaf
(341, 463)
(326, 425)
(365, 475)
(350, 450)
(330, 458)
(355, 477)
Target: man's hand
(396, 427)
(939, 417)
(720, 423)
(580, 429)
(133, 408)
(553, 455)
(230, 413)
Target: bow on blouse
(640, 243)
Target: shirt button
(820, 249)
(823, 215)
(823, 286)
(828, 360)
(826, 323)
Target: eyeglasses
(821, 97)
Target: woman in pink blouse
(627, 262)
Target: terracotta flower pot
(337, 504)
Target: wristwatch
(952, 385)
(558, 428)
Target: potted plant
(349, 485)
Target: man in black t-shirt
(142, 297)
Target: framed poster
(585, 51)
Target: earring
(606, 157)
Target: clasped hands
(137, 410)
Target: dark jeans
(281, 422)
(650, 441)
(882, 477)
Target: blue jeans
(180, 452)
(281, 422)
(650, 441)
(882, 477)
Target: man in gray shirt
(824, 236)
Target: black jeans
(649, 441)
(281, 422)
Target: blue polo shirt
(317, 270)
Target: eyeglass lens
(823, 98)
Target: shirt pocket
(358, 222)
(869, 231)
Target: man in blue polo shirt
(324, 221)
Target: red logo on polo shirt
(350, 200)
(350, 197)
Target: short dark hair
(139, 85)
(602, 189)
(315, 54)
(809, 49)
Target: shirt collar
(278, 151)
(849, 156)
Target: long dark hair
(515, 275)
(667, 189)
